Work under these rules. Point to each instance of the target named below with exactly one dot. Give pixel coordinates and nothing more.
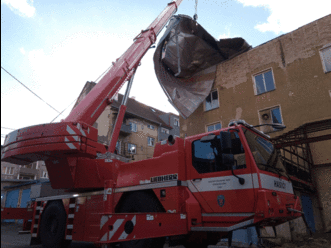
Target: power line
(70, 104)
(81, 94)
(8, 128)
(64, 110)
(28, 89)
(102, 74)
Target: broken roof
(185, 62)
(141, 110)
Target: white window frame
(213, 124)
(262, 72)
(9, 170)
(135, 150)
(164, 130)
(119, 142)
(218, 101)
(151, 127)
(327, 46)
(132, 125)
(271, 108)
(44, 174)
(176, 122)
(150, 141)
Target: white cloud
(227, 34)
(224, 36)
(22, 7)
(22, 50)
(288, 15)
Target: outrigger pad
(185, 61)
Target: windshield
(265, 155)
(207, 155)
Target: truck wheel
(52, 226)
(141, 202)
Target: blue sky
(54, 47)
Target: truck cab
(238, 177)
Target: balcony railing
(28, 171)
(125, 129)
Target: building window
(264, 82)
(8, 170)
(133, 127)
(132, 149)
(26, 177)
(164, 130)
(118, 147)
(176, 122)
(214, 127)
(325, 54)
(151, 127)
(211, 101)
(45, 174)
(270, 116)
(150, 141)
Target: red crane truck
(193, 191)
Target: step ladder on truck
(193, 192)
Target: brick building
(142, 126)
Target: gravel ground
(11, 239)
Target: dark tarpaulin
(185, 62)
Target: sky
(54, 47)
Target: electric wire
(64, 110)
(8, 128)
(69, 105)
(80, 94)
(102, 74)
(29, 89)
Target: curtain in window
(259, 84)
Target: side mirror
(228, 160)
(226, 143)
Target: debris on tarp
(185, 62)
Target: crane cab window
(207, 156)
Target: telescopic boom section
(91, 107)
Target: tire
(141, 202)
(52, 226)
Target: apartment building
(286, 80)
(16, 181)
(142, 126)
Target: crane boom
(61, 145)
(90, 108)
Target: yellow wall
(302, 87)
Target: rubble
(316, 241)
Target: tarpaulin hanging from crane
(185, 62)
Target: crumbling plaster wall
(302, 87)
(103, 126)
